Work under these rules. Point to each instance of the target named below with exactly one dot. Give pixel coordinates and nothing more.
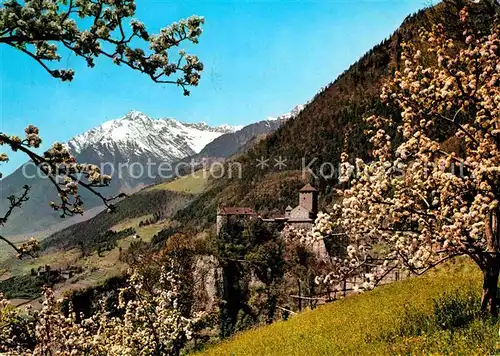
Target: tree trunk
(490, 287)
(491, 266)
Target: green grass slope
(194, 183)
(433, 314)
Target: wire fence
(346, 288)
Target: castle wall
(301, 225)
(299, 212)
(221, 221)
(306, 200)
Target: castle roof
(288, 208)
(230, 210)
(308, 188)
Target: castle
(302, 216)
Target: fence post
(311, 296)
(300, 295)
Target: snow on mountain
(137, 134)
(134, 138)
(230, 128)
(295, 111)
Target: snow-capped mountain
(137, 134)
(130, 148)
(132, 141)
(295, 111)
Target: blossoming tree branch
(416, 205)
(149, 322)
(39, 29)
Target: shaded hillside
(142, 203)
(330, 124)
(230, 143)
(36, 215)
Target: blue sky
(261, 59)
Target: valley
(63, 243)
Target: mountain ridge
(133, 138)
(227, 144)
(134, 128)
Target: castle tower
(288, 211)
(308, 199)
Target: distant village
(56, 273)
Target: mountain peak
(293, 113)
(135, 115)
(135, 138)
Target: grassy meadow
(433, 314)
(191, 184)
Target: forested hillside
(329, 125)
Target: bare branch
(11, 245)
(15, 202)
